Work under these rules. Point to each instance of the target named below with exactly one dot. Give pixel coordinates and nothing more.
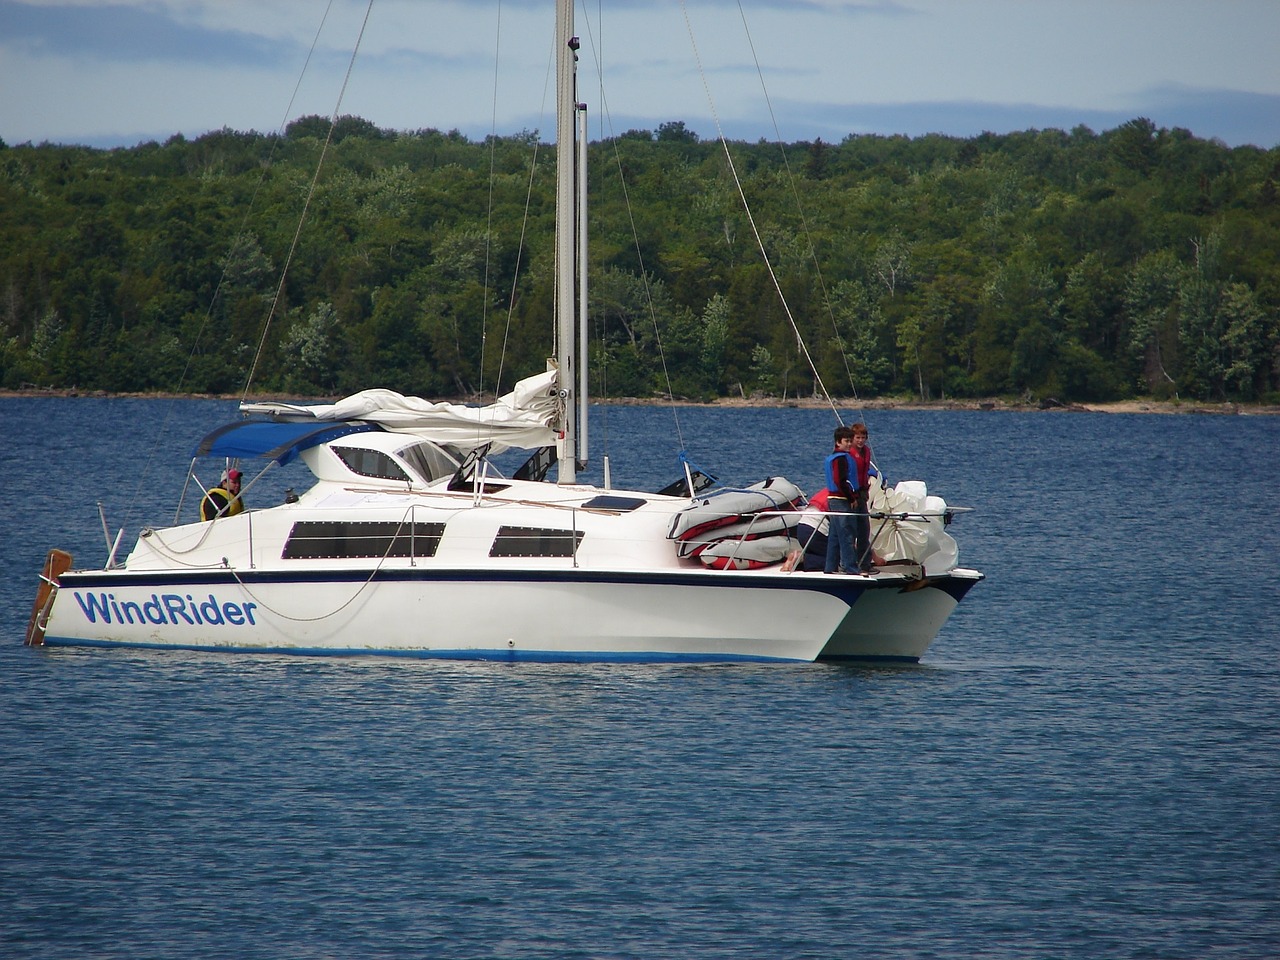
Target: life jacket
(216, 499)
(862, 464)
(839, 473)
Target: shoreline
(992, 404)
(1141, 405)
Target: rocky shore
(1140, 405)
(993, 404)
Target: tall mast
(566, 217)
(583, 328)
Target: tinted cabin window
(371, 463)
(340, 539)
(428, 460)
(534, 542)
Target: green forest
(1079, 266)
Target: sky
(119, 72)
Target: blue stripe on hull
(490, 656)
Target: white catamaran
(411, 543)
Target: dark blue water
(1087, 764)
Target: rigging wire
(602, 368)
(306, 206)
(488, 223)
(407, 517)
(524, 221)
(548, 75)
(244, 222)
(635, 237)
(733, 170)
(162, 432)
(804, 219)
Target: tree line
(1076, 265)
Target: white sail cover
(923, 537)
(521, 418)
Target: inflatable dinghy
(740, 529)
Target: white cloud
(89, 69)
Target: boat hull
(898, 623)
(550, 615)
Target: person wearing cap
(224, 499)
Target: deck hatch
(615, 503)
(345, 539)
(535, 542)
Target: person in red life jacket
(811, 533)
(864, 470)
(224, 499)
(842, 494)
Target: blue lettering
(210, 611)
(153, 610)
(161, 610)
(173, 603)
(94, 607)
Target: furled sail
(907, 524)
(522, 418)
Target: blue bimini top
(281, 442)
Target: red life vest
(862, 461)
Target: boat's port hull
(542, 615)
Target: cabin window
(429, 461)
(371, 463)
(343, 539)
(534, 542)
